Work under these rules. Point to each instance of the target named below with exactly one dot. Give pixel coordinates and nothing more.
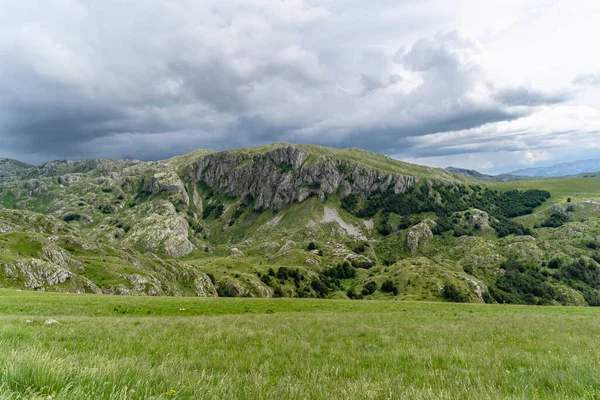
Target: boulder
(419, 234)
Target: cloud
(587, 80)
(554, 133)
(526, 96)
(151, 80)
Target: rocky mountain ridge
(281, 176)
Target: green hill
(287, 220)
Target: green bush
(389, 287)
(555, 263)
(555, 220)
(369, 288)
(319, 287)
(341, 271)
(453, 294)
(214, 210)
(420, 198)
(72, 217)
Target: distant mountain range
(564, 169)
(484, 177)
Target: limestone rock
(166, 182)
(234, 252)
(419, 234)
(232, 287)
(279, 177)
(204, 286)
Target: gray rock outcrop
(166, 182)
(287, 174)
(420, 233)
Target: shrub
(358, 249)
(106, 208)
(389, 287)
(353, 295)
(225, 290)
(72, 217)
(350, 202)
(555, 263)
(555, 220)
(266, 279)
(369, 288)
(389, 260)
(214, 210)
(319, 287)
(452, 293)
(362, 263)
(212, 278)
(460, 231)
(341, 271)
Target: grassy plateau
(108, 347)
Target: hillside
(287, 220)
(11, 168)
(563, 169)
(485, 177)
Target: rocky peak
(287, 174)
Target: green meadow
(108, 347)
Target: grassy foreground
(108, 347)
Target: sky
(487, 85)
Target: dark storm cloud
(151, 80)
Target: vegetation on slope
(138, 228)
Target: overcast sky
(469, 83)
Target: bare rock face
(158, 227)
(287, 174)
(475, 219)
(232, 287)
(234, 252)
(204, 286)
(197, 200)
(36, 273)
(420, 233)
(166, 182)
(177, 245)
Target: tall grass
(362, 351)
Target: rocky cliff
(288, 174)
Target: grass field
(108, 347)
(577, 188)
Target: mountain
(291, 220)
(564, 169)
(484, 177)
(9, 168)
